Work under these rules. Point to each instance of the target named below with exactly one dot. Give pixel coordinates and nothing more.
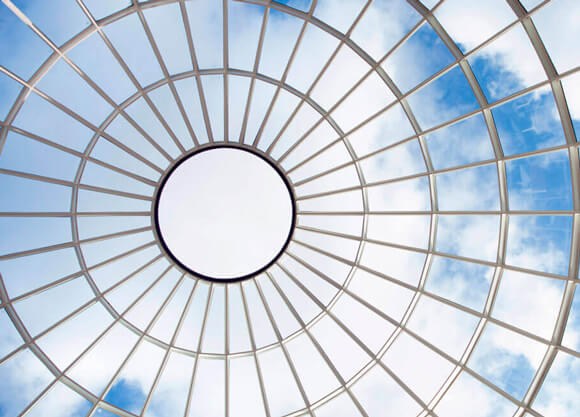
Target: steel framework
(553, 81)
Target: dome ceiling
(430, 150)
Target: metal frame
(553, 345)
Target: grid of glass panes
(436, 168)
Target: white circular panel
(224, 213)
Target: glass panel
(95, 59)
(279, 383)
(461, 282)
(61, 401)
(558, 393)
(239, 337)
(370, 328)
(213, 89)
(368, 98)
(507, 65)
(345, 248)
(78, 95)
(96, 368)
(326, 11)
(570, 85)
(529, 123)
(385, 129)
(388, 297)
(245, 397)
(146, 309)
(572, 335)
(169, 34)
(170, 395)
(418, 58)
(320, 138)
(283, 108)
(23, 154)
(244, 23)
(122, 297)
(461, 143)
(103, 8)
(208, 394)
(99, 251)
(190, 331)
(283, 317)
(331, 157)
(340, 406)
(444, 326)
(302, 122)
(215, 333)
(507, 359)
(350, 225)
(113, 272)
(129, 38)
(189, 96)
(40, 117)
(141, 113)
(24, 195)
(306, 66)
(400, 264)
(347, 201)
(22, 378)
(59, 27)
(317, 378)
(126, 134)
(471, 22)
(469, 189)
(409, 358)
(130, 389)
(540, 182)
(380, 395)
(444, 99)
(66, 342)
(166, 104)
(94, 201)
(98, 176)
(401, 161)
(261, 326)
(9, 90)
(281, 36)
(205, 22)
(169, 319)
(238, 90)
(519, 297)
(30, 272)
(262, 96)
(468, 395)
(469, 236)
(93, 226)
(345, 69)
(327, 266)
(345, 354)
(22, 50)
(305, 306)
(377, 38)
(31, 233)
(9, 337)
(556, 23)
(541, 243)
(412, 195)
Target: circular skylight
(224, 213)
(325, 208)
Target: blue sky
(127, 160)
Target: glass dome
(428, 264)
